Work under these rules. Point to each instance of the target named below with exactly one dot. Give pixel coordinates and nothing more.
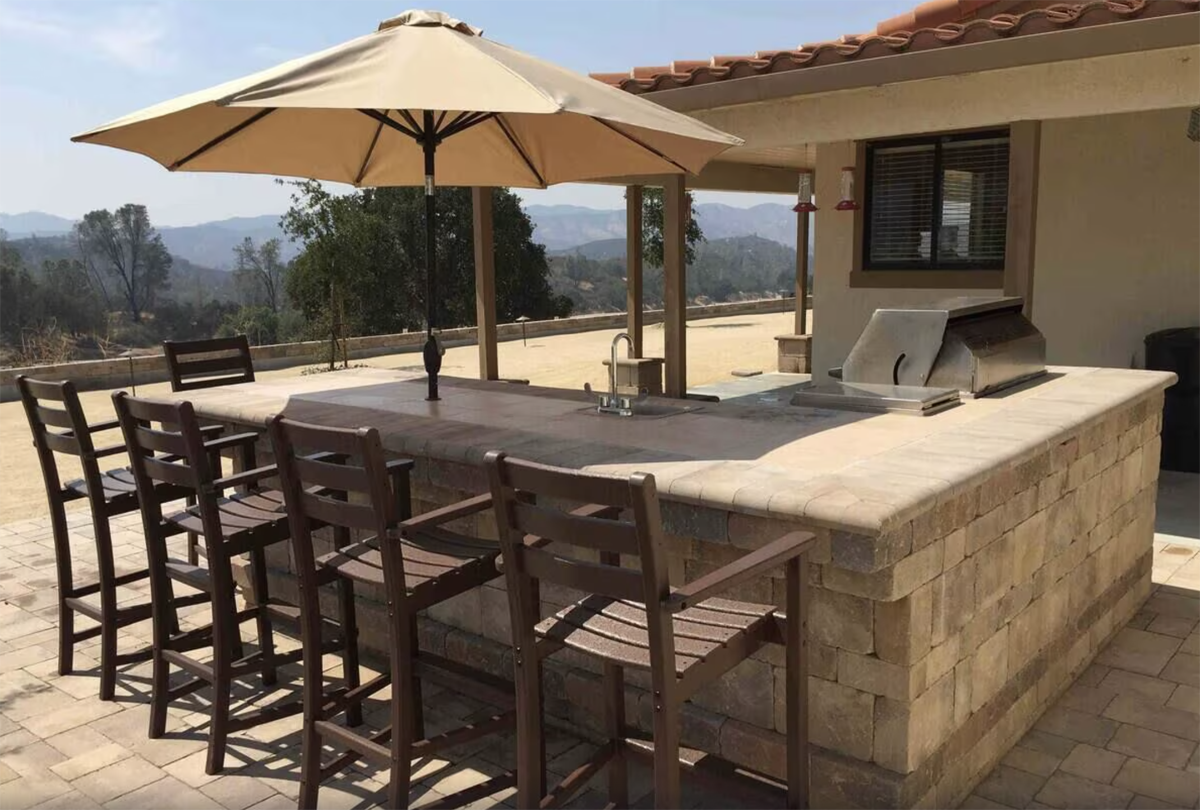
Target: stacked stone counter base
(930, 669)
(935, 643)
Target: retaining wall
(117, 372)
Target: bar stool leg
(666, 754)
(163, 611)
(108, 607)
(66, 636)
(796, 660)
(418, 704)
(348, 618)
(222, 686)
(314, 693)
(266, 636)
(614, 716)
(66, 588)
(402, 721)
(530, 744)
(234, 638)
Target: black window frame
(930, 264)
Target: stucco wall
(1118, 242)
(1118, 236)
(845, 311)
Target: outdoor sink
(646, 409)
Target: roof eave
(1056, 46)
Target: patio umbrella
(424, 92)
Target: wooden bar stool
(245, 523)
(197, 364)
(58, 424)
(684, 636)
(417, 563)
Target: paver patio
(1124, 735)
(61, 747)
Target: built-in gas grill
(924, 359)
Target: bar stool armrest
(470, 506)
(244, 478)
(770, 556)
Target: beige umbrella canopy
(342, 114)
(423, 89)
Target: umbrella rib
(471, 120)
(362, 170)
(512, 139)
(224, 136)
(642, 144)
(396, 125)
(412, 122)
(454, 121)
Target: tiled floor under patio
(1124, 735)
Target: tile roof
(929, 26)
(941, 12)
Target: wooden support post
(482, 200)
(633, 266)
(1024, 150)
(802, 223)
(675, 286)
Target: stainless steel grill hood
(922, 359)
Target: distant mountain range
(209, 244)
(566, 226)
(558, 227)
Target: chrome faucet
(612, 402)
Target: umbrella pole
(432, 352)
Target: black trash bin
(1178, 350)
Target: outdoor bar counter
(970, 564)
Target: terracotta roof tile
(932, 25)
(933, 14)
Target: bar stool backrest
(166, 447)
(522, 493)
(195, 364)
(346, 488)
(58, 425)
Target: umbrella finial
(426, 19)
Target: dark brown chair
(58, 424)
(195, 364)
(417, 563)
(245, 523)
(684, 636)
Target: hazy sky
(68, 66)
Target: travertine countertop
(859, 472)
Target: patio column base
(637, 373)
(795, 354)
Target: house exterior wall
(1118, 237)
(845, 311)
(1117, 243)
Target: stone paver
(1093, 763)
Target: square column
(482, 203)
(633, 266)
(675, 286)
